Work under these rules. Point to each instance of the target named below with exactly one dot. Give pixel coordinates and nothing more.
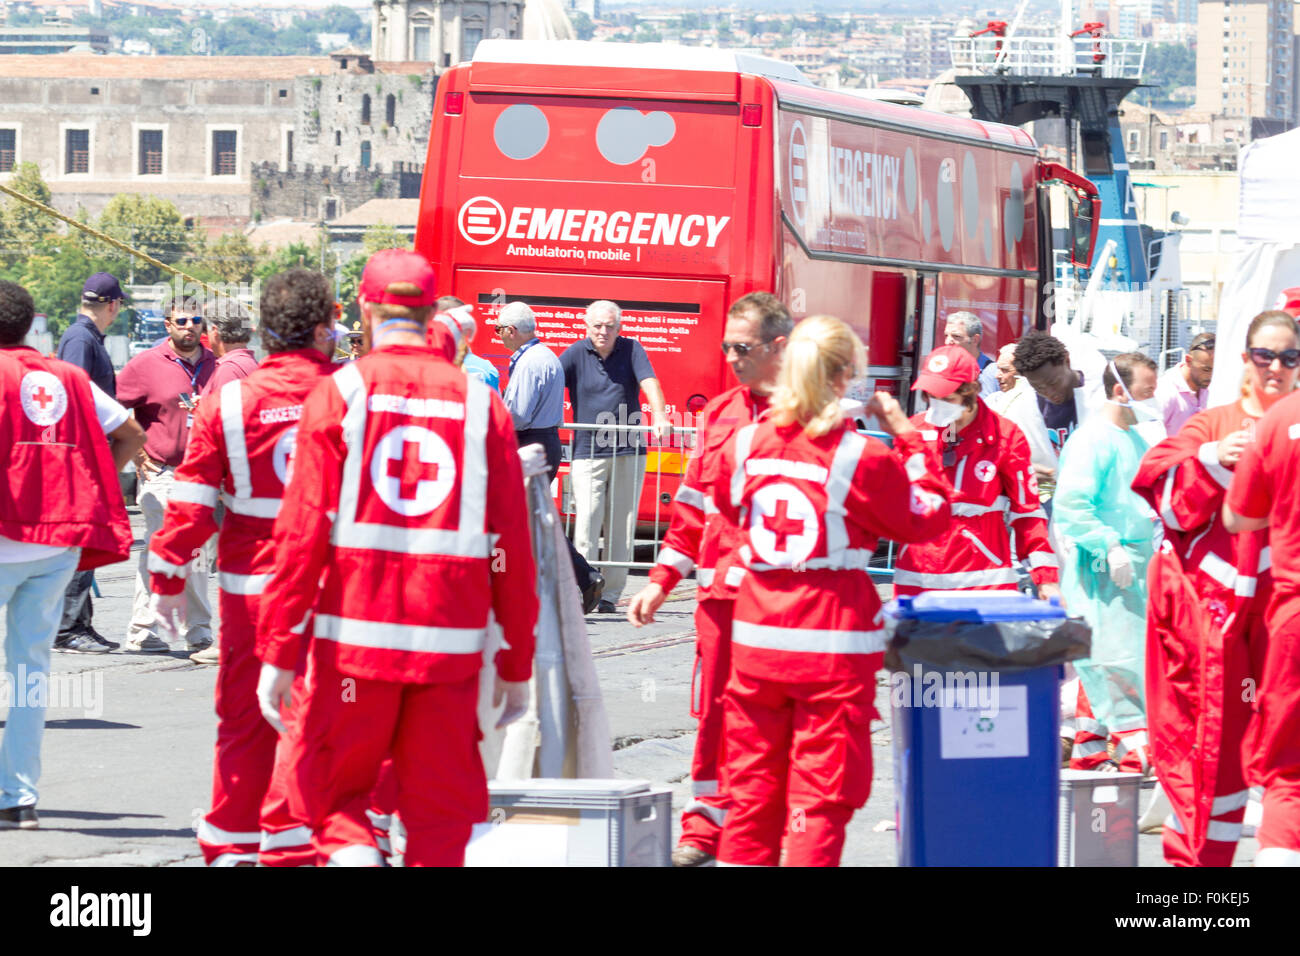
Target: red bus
(673, 180)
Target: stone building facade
(441, 32)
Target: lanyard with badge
(187, 398)
(514, 359)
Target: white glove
(1121, 568)
(169, 609)
(515, 694)
(273, 687)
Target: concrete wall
(306, 192)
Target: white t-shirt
(111, 415)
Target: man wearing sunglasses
(1184, 389)
(161, 386)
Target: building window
(365, 110)
(390, 110)
(420, 46)
(225, 152)
(1133, 141)
(331, 208)
(365, 154)
(338, 137)
(288, 146)
(1164, 140)
(76, 151)
(472, 36)
(8, 149)
(151, 152)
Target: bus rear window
(600, 140)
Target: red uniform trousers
(349, 725)
(703, 817)
(1278, 739)
(1091, 737)
(798, 762)
(286, 840)
(247, 823)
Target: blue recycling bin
(975, 691)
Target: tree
(152, 225)
(24, 227)
(381, 235)
(55, 277)
(582, 25)
(230, 258)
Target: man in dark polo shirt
(161, 385)
(82, 344)
(604, 374)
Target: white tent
(1268, 228)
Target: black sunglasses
(742, 349)
(1265, 357)
(182, 322)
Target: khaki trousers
(606, 493)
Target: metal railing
(1106, 57)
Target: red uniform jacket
(241, 447)
(60, 487)
(811, 511)
(994, 486)
(1207, 589)
(700, 537)
(404, 523)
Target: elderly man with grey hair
(535, 398)
(966, 329)
(605, 374)
(229, 331)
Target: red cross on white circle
(783, 525)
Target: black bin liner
(990, 645)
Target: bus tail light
(454, 104)
(751, 114)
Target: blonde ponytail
(820, 350)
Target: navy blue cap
(101, 287)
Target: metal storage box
(1099, 818)
(574, 823)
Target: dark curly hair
(1037, 349)
(16, 313)
(293, 304)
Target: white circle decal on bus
(482, 221)
(798, 172)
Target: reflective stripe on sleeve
(358, 854)
(812, 641)
(194, 493)
(247, 584)
(1208, 455)
(473, 482)
(157, 565)
(254, 507)
(1087, 748)
(703, 788)
(1036, 513)
(401, 637)
(1265, 559)
(717, 814)
(838, 481)
(1277, 856)
(232, 424)
(735, 574)
(1166, 501)
(974, 539)
(232, 859)
(710, 508)
(1041, 559)
(689, 496)
(956, 580)
(704, 576)
(674, 559)
(1224, 573)
(969, 510)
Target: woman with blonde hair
(811, 497)
(1209, 590)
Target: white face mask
(941, 414)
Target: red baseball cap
(945, 370)
(1288, 300)
(391, 266)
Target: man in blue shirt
(535, 398)
(604, 373)
(82, 344)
